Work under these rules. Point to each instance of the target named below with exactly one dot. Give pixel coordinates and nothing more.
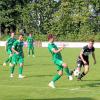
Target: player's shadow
(91, 80)
(92, 83)
(76, 98)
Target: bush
(69, 37)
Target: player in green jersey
(8, 47)
(18, 56)
(30, 42)
(57, 59)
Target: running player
(18, 56)
(8, 46)
(83, 59)
(57, 59)
(30, 42)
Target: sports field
(40, 70)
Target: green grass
(40, 70)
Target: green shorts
(30, 47)
(17, 59)
(9, 52)
(59, 64)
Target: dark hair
(21, 34)
(50, 36)
(91, 40)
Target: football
(76, 73)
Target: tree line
(60, 17)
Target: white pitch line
(58, 88)
(73, 90)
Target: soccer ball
(76, 72)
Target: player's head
(30, 34)
(21, 36)
(50, 38)
(91, 43)
(12, 34)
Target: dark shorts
(80, 62)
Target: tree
(10, 11)
(44, 11)
(73, 16)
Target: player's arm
(94, 58)
(13, 48)
(56, 51)
(14, 51)
(23, 53)
(81, 56)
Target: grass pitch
(39, 70)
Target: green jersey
(10, 42)
(18, 46)
(30, 41)
(55, 56)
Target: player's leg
(20, 70)
(67, 71)
(13, 63)
(28, 50)
(64, 65)
(86, 70)
(8, 59)
(5, 62)
(33, 51)
(56, 77)
(77, 70)
(12, 67)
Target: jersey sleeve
(84, 49)
(93, 49)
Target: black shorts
(80, 62)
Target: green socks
(56, 77)
(29, 52)
(67, 71)
(12, 69)
(32, 51)
(20, 70)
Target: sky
(56, 0)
